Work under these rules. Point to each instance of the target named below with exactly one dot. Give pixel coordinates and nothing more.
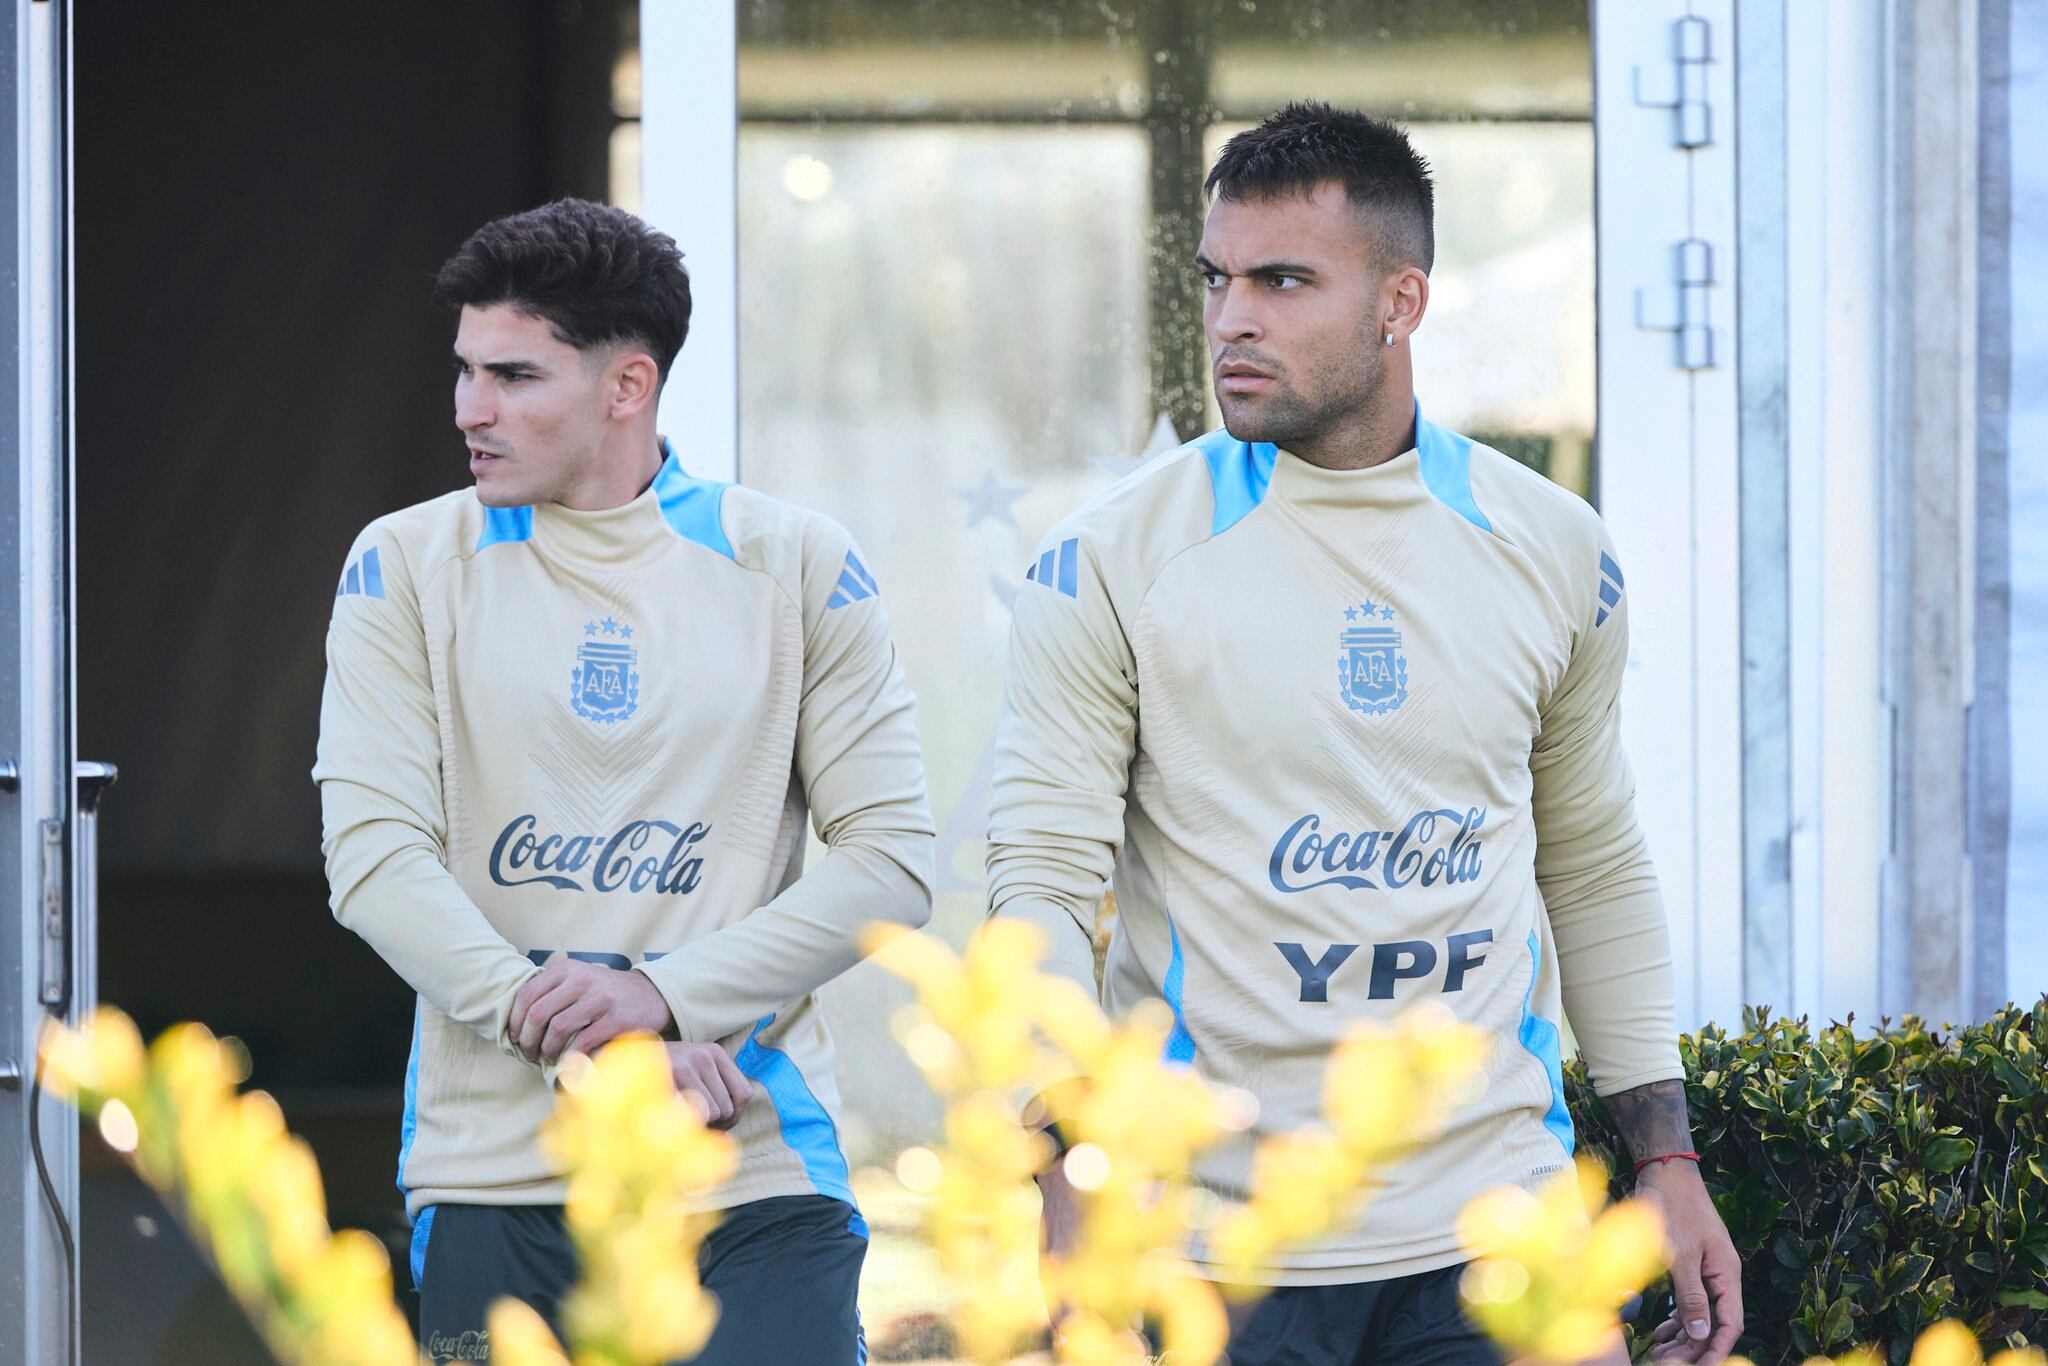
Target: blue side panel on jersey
(373, 574)
(506, 524)
(1447, 469)
(422, 1227)
(1240, 473)
(692, 505)
(1180, 1045)
(805, 1125)
(410, 1123)
(1539, 1037)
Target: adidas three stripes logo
(1610, 589)
(855, 584)
(365, 577)
(1057, 568)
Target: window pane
(965, 229)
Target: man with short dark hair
(1332, 693)
(573, 723)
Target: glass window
(967, 301)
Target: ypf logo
(604, 686)
(1372, 673)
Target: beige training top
(598, 733)
(1345, 741)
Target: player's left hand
(1706, 1276)
(571, 1003)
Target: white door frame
(689, 188)
(1667, 440)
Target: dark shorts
(1408, 1321)
(786, 1272)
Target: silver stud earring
(1390, 339)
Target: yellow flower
(1547, 1278)
(641, 1165)
(1951, 1343)
(104, 1059)
(521, 1337)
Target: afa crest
(605, 686)
(1372, 673)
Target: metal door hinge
(1692, 113)
(1692, 275)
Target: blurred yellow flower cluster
(997, 1037)
(1948, 1343)
(641, 1165)
(994, 1036)
(1551, 1269)
(1387, 1089)
(1135, 1127)
(249, 1191)
(976, 1033)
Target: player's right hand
(711, 1081)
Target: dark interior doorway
(263, 192)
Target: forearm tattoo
(1652, 1119)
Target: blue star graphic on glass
(990, 500)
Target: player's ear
(1404, 298)
(635, 382)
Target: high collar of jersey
(622, 536)
(1438, 466)
(1389, 484)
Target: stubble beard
(1290, 419)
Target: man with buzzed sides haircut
(1332, 694)
(574, 723)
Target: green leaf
(1947, 1154)
(1837, 1325)
(2032, 1299)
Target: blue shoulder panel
(1447, 468)
(506, 524)
(1240, 472)
(692, 505)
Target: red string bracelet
(1667, 1157)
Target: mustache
(1243, 355)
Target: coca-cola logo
(641, 856)
(474, 1345)
(1440, 845)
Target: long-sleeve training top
(1347, 741)
(598, 733)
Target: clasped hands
(571, 1006)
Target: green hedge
(1873, 1182)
